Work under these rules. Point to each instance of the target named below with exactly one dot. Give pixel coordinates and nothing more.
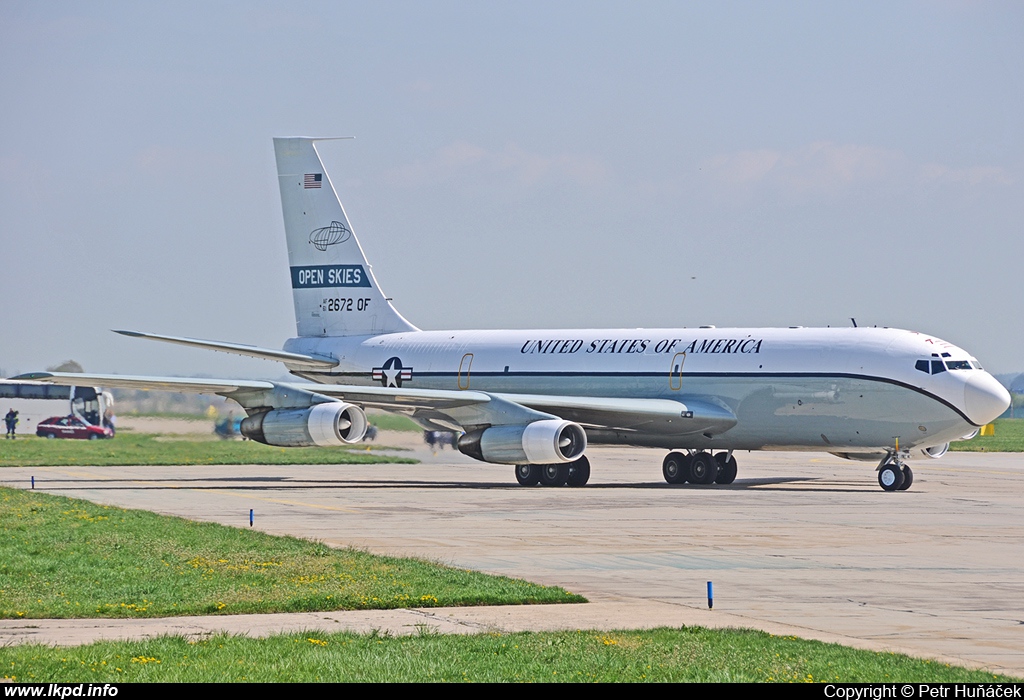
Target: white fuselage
(829, 389)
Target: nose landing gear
(894, 474)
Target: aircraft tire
(890, 477)
(554, 474)
(703, 469)
(727, 468)
(675, 468)
(908, 478)
(579, 472)
(527, 474)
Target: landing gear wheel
(703, 469)
(554, 474)
(527, 474)
(908, 478)
(890, 477)
(579, 472)
(675, 468)
(726, 468)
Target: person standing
(11, 419)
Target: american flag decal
(312, 181)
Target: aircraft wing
(374, 396)
(457, 410)
(121, 381)
(454, 409)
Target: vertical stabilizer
(333, 286)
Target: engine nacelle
(540, 442)
(323, 425)
(935, 451)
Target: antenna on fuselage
(854, 321)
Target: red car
(71, 427)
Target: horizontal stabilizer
(289, 358)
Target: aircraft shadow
(786, 484)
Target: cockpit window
(939, 366)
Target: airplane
(535, 399)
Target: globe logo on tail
(334, 234)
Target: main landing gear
(699, 468)
(576, 473)
(893, 474)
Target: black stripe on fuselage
(791, 375)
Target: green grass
(669, 655)
(392, 421)
(195, 417)
(68, 558)
(141, 449)
(1009, 437)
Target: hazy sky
(516, 165)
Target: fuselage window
(937, 366)
(922, 366)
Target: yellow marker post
(988, 430)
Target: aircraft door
(464, 367)
(675, 371)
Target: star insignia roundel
(392, 373)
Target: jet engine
(541, 442)
(935, 451)
(323, 425)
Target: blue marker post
(33, 482)
(711, 596)
(250, 517)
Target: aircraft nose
(984, 398)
